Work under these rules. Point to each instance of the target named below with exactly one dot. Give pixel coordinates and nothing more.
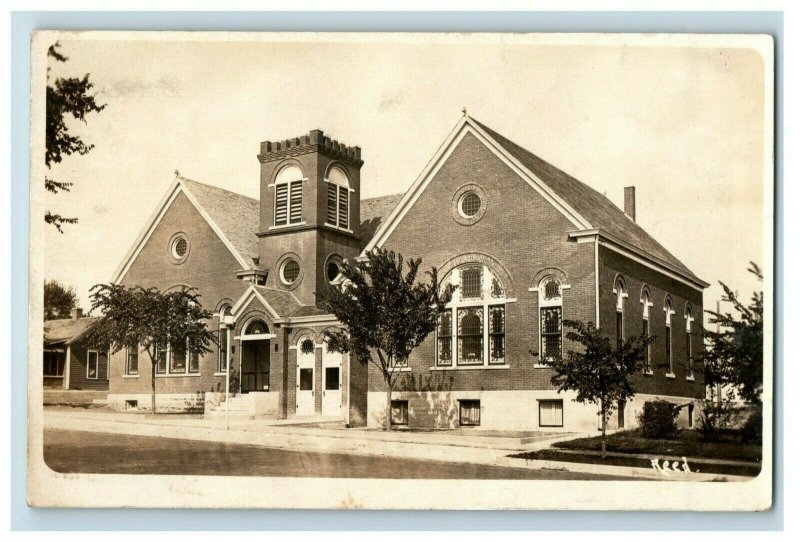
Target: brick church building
(528, 245)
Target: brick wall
(636, 275)
(522, 235)
(210, 267)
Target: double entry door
(331, 381)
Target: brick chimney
(630, 202)
(76, 313)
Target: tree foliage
(387, 312)
(65, 97)
(59, 300)
(735, 353)
(149, 319)
(599, 371)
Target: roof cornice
(175, 188)
(626, 249)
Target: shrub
(718, 415)
(658, 419)
(752, 429)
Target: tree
(600, 371)
(735, 353)
(66, 96)
(59, 300)
(135, 317)
(386, 311)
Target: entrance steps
(240, 408)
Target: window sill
(469, 367)
(130, 376)
(220, 374)
(670, 375)
(401, 370)
(690, 378)
(648, 372)
(541, 366)
(338, 228)
(180, 375)
(286, 226)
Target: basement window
(469, 412)
(399, 412)
(551, 413)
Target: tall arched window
(621, 294)
(669, 312)
(689, 322)
(646, 304)
(473, 329)
(550, 317)
(338, 199)
(289, 196)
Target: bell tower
(310, 211)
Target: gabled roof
(279, 303)
(67, 330)
(591, 204)
(236, 215)
(589, 211)
(233, 217)
(374, 211)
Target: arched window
(668, 310)
(472, 330)
(289, 196)
(307, 346)
(621, 294)
(550, 318)
(646, 304)
(689, 322)
(257, 327)
(338, 199)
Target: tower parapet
(314, 141)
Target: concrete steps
(239, 408)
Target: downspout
(597, 281)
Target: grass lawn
(687, 442)
(632, 461)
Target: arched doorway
(331, 382)
(305, 397)
(255, 357)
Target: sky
(685, 125)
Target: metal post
(227, 373)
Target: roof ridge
(635, 231)
(183, 179)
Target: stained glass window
(551, 332)
(471, 282)
(445, 339)
(497, 334)
(470, 335)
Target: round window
(332, 270)
(470, 204)
(290, 271)
(179, 247)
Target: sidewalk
(452, 446)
